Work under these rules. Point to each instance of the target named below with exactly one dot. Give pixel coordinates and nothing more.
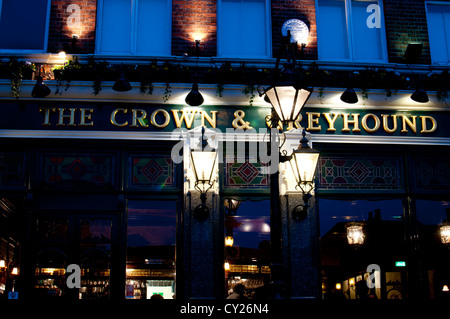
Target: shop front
(106, 189)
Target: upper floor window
(24, 25)
(438, 16)
(134, 27)
(244, 28)
(351, 30)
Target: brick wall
(405, 22)
(283, 10)
(192, 20)
(60, 33)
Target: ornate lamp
(203, 163)
(304, 162)
(288, 100)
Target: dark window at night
(247, 243)
(358, 239)
(17, 35)
(434, 235)
(151, 240)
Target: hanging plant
(321, 95)
(250, 89)
(65, 74)
(219, 90)
(18, 71)
(167, 92)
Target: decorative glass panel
(432, 174)
(93, 168)
(245, 175)
(11, 169)
(150, 170)
(374, 173)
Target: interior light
(355, 234)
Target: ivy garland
(168, 72)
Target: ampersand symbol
(239, 122)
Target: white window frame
(440, 3)
(47, 26)
(268, 33)
(350, 35)
(133, 40)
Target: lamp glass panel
(302, 97)
(203, 163)
(282, 99)
(304, 166)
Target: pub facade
(104, 104)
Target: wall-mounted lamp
(122, 84)
(194, 98)
(304, 162)
(355, 234)
(197, 47)
(203, 164)
(349, 96)
(420, 95)
(2, 263)
(413, 52)
(40, 89)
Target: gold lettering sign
(315, 121)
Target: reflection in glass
(433, 218)
(247, 259)
(151, 239)
(95, 258)
(355, 234)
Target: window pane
(367, 42)
(243, 28)
(14, 34)
(247, 259)
(116, 26)
(432, 217)
(95, 235)
(153, 27)
(151, 239)
(332, 30)
(439, 32)
(344, 264)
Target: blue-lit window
(140, 27)
(438, 17)
(24, 25)
(349, 30)
(244, 29)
